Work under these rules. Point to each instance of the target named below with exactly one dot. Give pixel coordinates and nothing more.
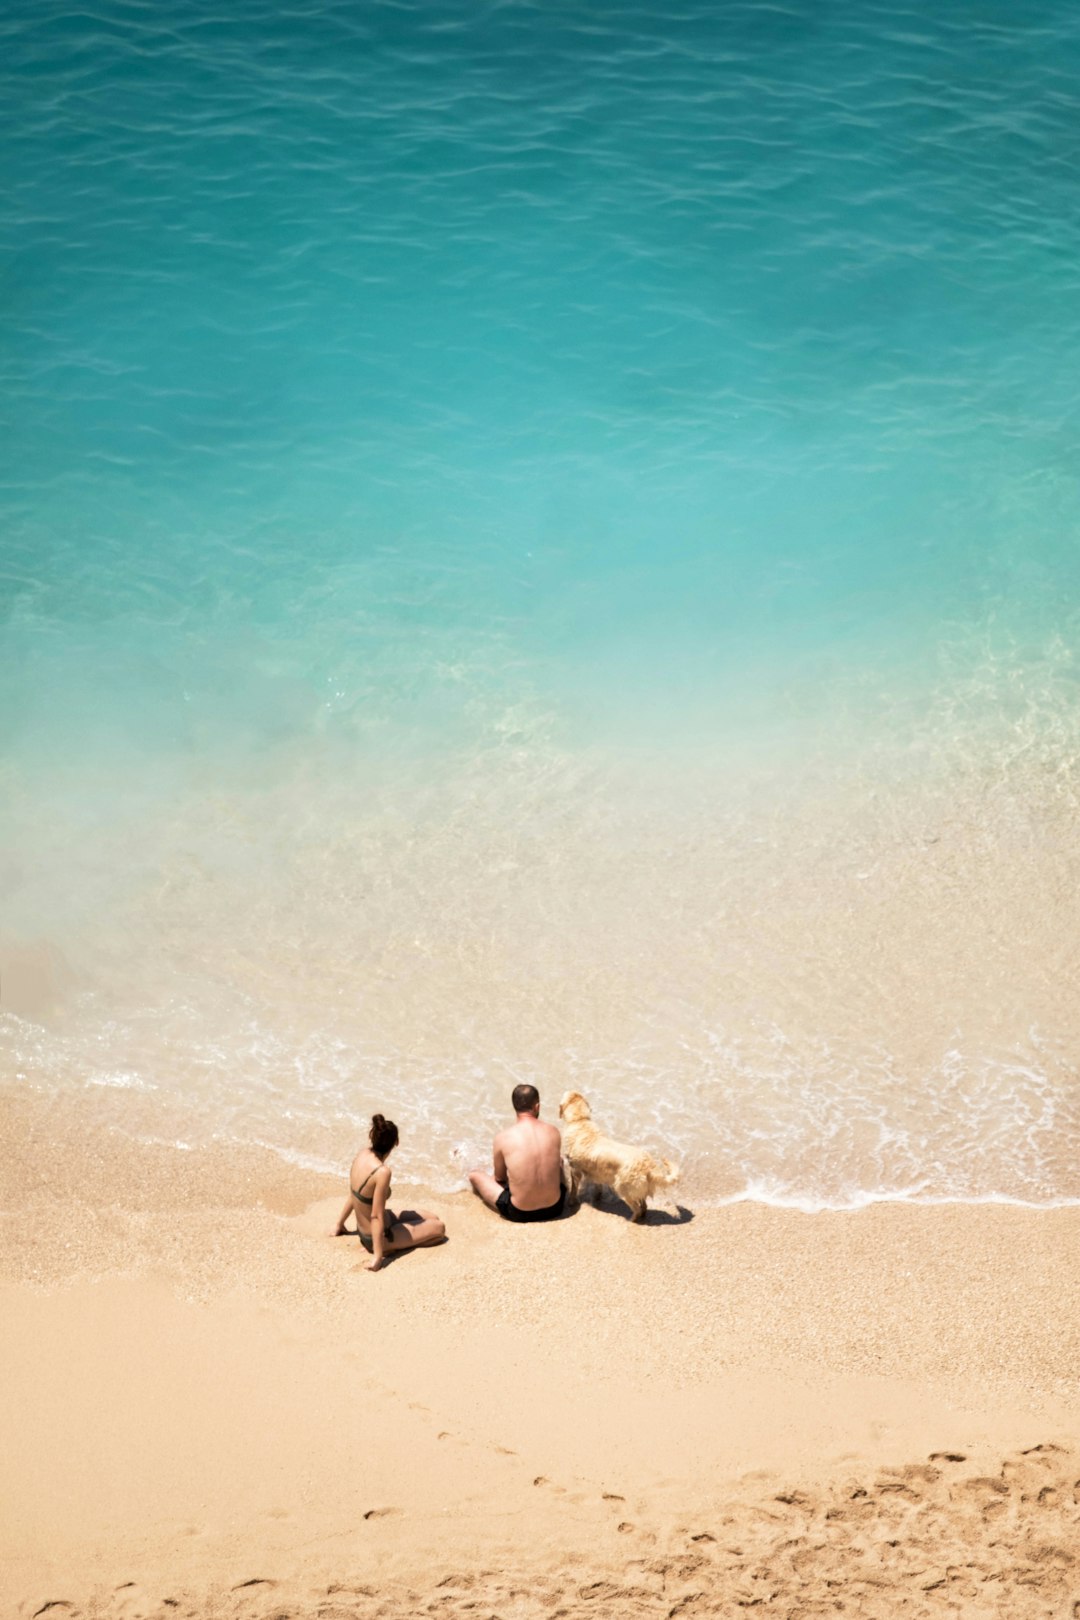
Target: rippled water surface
(543, 540)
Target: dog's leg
(629, 1190)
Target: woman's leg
(412, 1229)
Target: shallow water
(543, 541)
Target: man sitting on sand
(527, 1184)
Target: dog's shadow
(603, 1198)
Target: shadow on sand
(603, 1198)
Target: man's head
(525, 1100)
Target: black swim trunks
(510, 1212)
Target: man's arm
(489, 1187)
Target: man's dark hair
(524, 1099)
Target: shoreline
(212, 1399)
(61, 1109)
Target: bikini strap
(358, 1195)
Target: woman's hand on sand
(375, 1265)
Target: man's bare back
(527, 1164)
(528, 1158)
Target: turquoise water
(545, 539)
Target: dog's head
(573, 1107)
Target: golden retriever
(630, 1172)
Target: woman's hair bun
(384, 1135)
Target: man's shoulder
(550, 1129)
(522, 1130)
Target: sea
(542, 541)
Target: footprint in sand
(256, 1580)
(448, 1434)
(130, 1602)
(383, 1513)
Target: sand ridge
(921, 1539)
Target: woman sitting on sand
(381, 1231)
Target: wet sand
(213, 1408)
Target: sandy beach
(212, 1408)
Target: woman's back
(365, 1168)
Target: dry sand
(211, 1408)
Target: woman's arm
(378, 1221)
(342, 1218)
